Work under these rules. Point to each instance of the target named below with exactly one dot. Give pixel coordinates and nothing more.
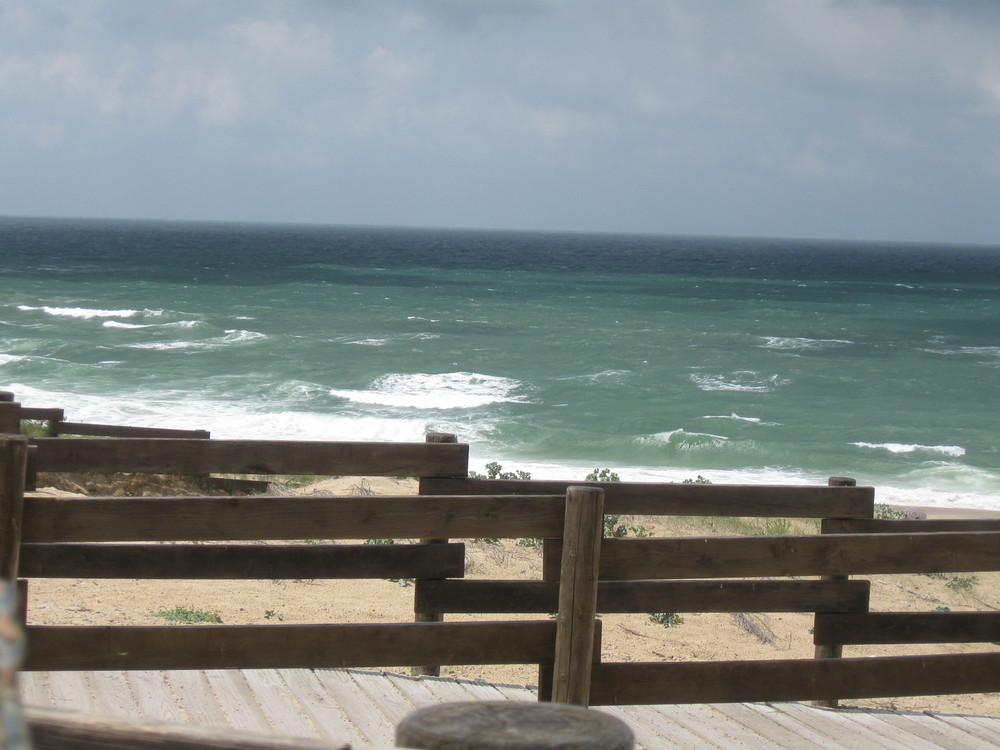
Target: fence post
(432, 670)
(13, 459)
(10, 417)
(835, 650)
(581, 557)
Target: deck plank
(71, 692)
(836, 725)
(938, 731)
(237, 702)
(370, 722)
(363, 706)
(770, 726)
(34, 687)
(658, 729)
(857, 717)
(155, 698)
(393, 704)
(715, 728)
(329, 718)
(196, 698)
(113, 694)
(972, 728)
(279, 703)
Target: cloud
(622, 116)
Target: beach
(635, 637)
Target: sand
(635, 637)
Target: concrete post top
(512, 725)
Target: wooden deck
(363, 706)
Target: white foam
(449, 390)
(119, 324)
(596, 377)
(87, 313)
(231, 338)
(746, 381)
(686, 442)
(369, 342)
(6, 359)
(737, 418)
(946, 450)
(796, 343)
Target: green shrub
(495, 471)
(187, 614)
(666, 619)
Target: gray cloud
(847, 119)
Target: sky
(843, 119)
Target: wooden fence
(583, 573)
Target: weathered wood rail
(107, 537)
(710, 575)
(12, 412)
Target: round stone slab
(512, 725)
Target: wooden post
(432, 670)
(836, 650)
(512, 725)
(6, 395)
(13, 459)
(581, 557)
(10, 417)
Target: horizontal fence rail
(125, 431)
(821, 555)
(907, 627)
(647, 596)
(642, 498)
(55, 648)
(191, 456)
(48, 520)
(238, 561)
(636, 683)
(884, 526)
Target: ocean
(660, 357)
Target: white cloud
(616, 103)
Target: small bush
(188, 614)
(962, 584)
(884, 512)
(666, 619)
(495, 471)
(602, 475)
(36, 428)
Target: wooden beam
(13, 461)
(895, 526)
(56, 648)
(53, 729)
(469, 596)
(645, 683)
(298, 517)
(667, 499)
(820, 555)
(421, 615)
(240, 561)
(126, 431)
(578, 595)
(10, 418)
(191, 456)
(907, 627)
(42, 414)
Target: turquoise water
(660, 357)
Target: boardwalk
(363, 706)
